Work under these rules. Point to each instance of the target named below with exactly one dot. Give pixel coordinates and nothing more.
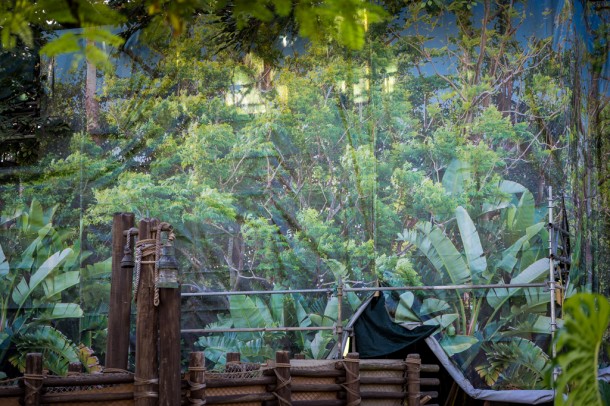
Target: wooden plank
(283, 391)
(86, 380)
(315, 387)
(231, 383)
(146, 329)
(71, 397)
(429, 368)
(32, 379)
(326, 402)
(11, 391)
(197, 384)
(119, 313)
(254, 397)
(382, 395)
(321, 373)
(169, 347)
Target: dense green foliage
(587, 316)
(369, 153)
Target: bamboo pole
(283, 391)
(413, 382)
(119, 313)
(146, 378)
(196, 381)
(32, 379)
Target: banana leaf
(472, 244)
(24, 289)
(535, 272)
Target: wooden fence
(297, 382)
(157, 380)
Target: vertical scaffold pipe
(552, 271)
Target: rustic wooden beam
(169, 347)
(71, 397)
(32, 379)
(283, 390)
(86, 380)
(197, 384)
(146, 379)
(232, 383)
(11, 392)
(413, 374)
(352, 378)
(254, 397)
(119, 313)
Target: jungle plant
(579, 342)
(280, 310)
(37, 267)
(459, 314)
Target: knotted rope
(35, 387)
(145, 394)
(145, 248)
(350, 378)
(195, 386)
(282, 384)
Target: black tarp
(377, 336)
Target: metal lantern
(127, 260)
(168, 268)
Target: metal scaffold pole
(552, 285)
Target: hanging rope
(146, 248)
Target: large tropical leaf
(535, 272)
(458, 343)
(249, 313)
(433, 305)
(586, 318)
(517, 363)
(61, 311)
(217, 346)
(507, 187)
(442, 320)
(56, 349)
(509, 256)
(404, 312)
(4, 265)
(455, 176)
(439, 250)
(56, 284)
(453, 262)
(24, 289)
(472, 244)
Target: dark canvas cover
(377, 336)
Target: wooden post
(283, 391)
(75, 368)
(119, 313)
(413, 379)
(352, 378)
(169, 346)
(233, 357)
(33, 379)
(146, 377)
(196, 378)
